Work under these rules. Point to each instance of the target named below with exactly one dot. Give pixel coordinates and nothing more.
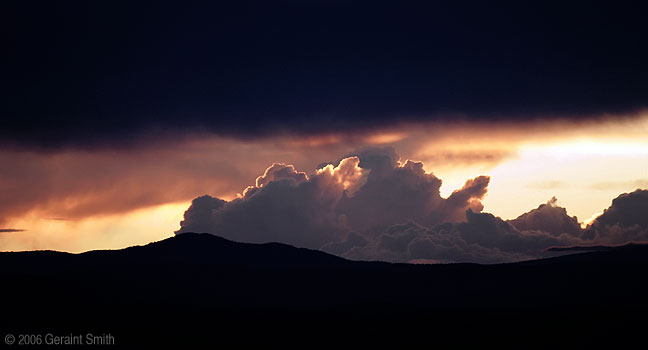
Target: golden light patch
(589, 220)
(102, 232)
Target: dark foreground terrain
(201, 289)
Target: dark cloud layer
(370, 205)
(102, 73)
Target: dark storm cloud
(624, 221)
(103, 73)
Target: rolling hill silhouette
(197, 288)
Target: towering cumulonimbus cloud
(364, 192)
(370, 205)
(395, 193)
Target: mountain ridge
(165, 290)
(189, 241)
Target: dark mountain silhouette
(199, 288)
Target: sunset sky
(115, 118)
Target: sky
(115, 117)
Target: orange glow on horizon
(137, 227)
(120, 198)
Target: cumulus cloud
(284, 206)
(482, 238)
(624, 221)
(365, 192)
(199, 214)
(396, 193)
(77, 185)
(550, 218)
(413, 242)
(353, 240)
(278, 172)
(371, 205)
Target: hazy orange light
(100, 232)
(588, 147)
(385, 138)
(585, 165)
